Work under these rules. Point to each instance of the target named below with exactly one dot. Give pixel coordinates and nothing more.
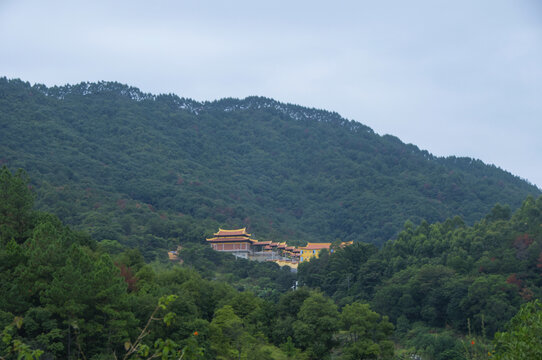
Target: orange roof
(274, 244)
(267, 247)
(236, 232)
(229, 239)
(316, 246)
(263, 243)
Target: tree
(490, 303)
(16, 202)
(317, 322)
(12, 345)
(226, 333)
(523, 337)
(90, 298)
(368, 333)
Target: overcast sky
(458, 77)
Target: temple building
(259, 246)
(237, 242)
(312, 250)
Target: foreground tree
(523, 338)
(318, 320)
(227, 334)
(367, 333)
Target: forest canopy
(67, 296)
(147, 170)
(447, 253)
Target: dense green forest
(442, 279)
(444, 291)
(116, 176)
(152, 170)
(65, 297)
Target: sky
(458, 77)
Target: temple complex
(239, 243)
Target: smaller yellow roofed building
(312, 250)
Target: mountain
(148, 170)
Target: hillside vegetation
(445, 288)
(442, 278)
(150, 170)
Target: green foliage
(434, 343)
(317, 321)
(523, 336)
(265, 279)
(227, 334)
(78, 302)
(16, 203)
(150, 171)
(14, 346)
(445, 278)
(164, 349)
(143, 173)
(368, 334)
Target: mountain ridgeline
(147, 169)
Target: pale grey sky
(457, 77)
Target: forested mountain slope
(435, 281)
(141, 169)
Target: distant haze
(455, 77)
